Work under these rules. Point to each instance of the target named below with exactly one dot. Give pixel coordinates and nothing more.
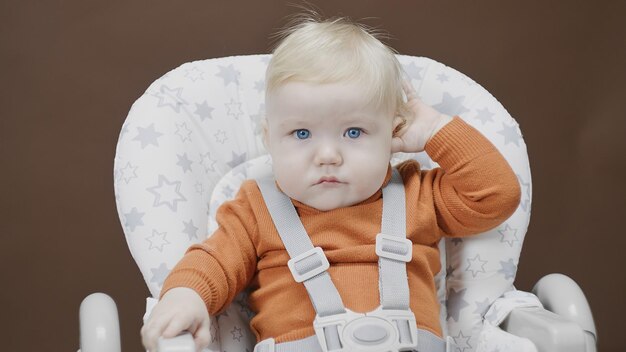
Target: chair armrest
(548, 331)
(566, 323)
(561, 295)
(99, 324)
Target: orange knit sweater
(474, 190)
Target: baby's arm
(208, 277)
(475, 188)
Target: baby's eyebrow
(357, 120)
(289, 122)
(348, 121)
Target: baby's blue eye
(353, 132)
(302, 134)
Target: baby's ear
(398, 124)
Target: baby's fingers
(177, 325)
(151, 332)
(397, 145)
(202, 336)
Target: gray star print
(194, 74)
(237, 159)
(476, 265)
(237, 335)
(451, 106)
(466, 79)
(157, 240)
(442, 77)
(456, 303)
(525, 202)
(510, 133)
(207, 162)
(484, 115)
(127, 173)
(133, 219)
(227, 191)
(204, 111)
(259, 85)
(229, 74)
(243, 308)
(159, 274)
(233, 108)
(183, 132)
(184, 162)
(509, 235)
(482, 307)
(170, 97)
(508, 269)
(462, 342)
(220, 136)
(166, 193)
(147, 136)
(414, 71)
(190, 229)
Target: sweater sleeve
(475, 188)
(222, 265)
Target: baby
(335, 113)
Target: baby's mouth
(328, 180)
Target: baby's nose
(328, 154)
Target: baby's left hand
(423, 123)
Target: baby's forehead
(304, 95)
(304, 105)
(310, 116)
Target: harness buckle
(394, 247)
(381, 330)
(308, 264)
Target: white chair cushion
(197, 123)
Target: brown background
(70, 71)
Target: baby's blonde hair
(337, 50)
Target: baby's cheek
(371, 168)
(290, 172)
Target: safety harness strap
(392, 279)
(307, 264)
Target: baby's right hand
(180, 309)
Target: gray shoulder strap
(307, 264)
(393, 248)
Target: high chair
(192, 138)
